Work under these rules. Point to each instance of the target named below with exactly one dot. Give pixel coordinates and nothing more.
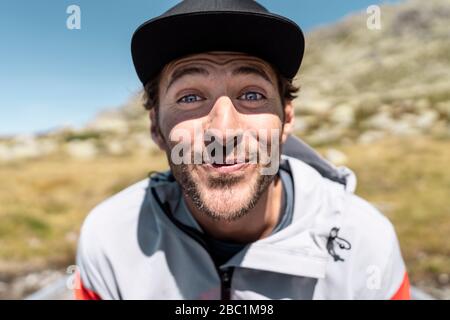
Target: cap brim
(272, 38)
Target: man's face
(224, 110)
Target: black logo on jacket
(342, 244)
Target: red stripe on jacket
(83, 293)
(403, 292)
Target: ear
(289, 118)
(155, 130)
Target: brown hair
(288, 91)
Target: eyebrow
(248, 70)
(178, 74)
(243, 70)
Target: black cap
(196, 26)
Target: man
(233, 219)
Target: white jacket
(338, 246)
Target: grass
(43, 202)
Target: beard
(227, 196)
(222, 197)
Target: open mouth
(226, 167)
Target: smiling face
(224, 109)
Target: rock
(115, 147)
(143, 143)
(5, 153)
(24, 285)
(25, 147)
(343, 115)
(404, 128)
(109, 121)
(81, 149)
(426, 120)
(338, 158)
(304, 123)
(370, 136)
(325, 135)
(48, 146)
(381, 121)
(314, 106)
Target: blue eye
(252, 96)
(190, 98)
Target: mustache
(200, 148)
(217, 153)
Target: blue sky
(52, 76)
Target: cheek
(184, 132)
(269, 131)
(171, 123)
(262, 122)
(176, 129)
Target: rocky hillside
(364, 84)
(357, 85)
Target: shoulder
(373, 266)
(117, 209)
(375, 256)
(358, 216)
(112, 223)
(371, 223)
(108, 229)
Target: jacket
(338, 246)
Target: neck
(258, 223)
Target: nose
(223, 120)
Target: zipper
(225, 283)
(224, 275)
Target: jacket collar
(299, 249)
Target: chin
(230, 202)
(225, 196)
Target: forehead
(220, 60)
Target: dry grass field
(44, 201)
